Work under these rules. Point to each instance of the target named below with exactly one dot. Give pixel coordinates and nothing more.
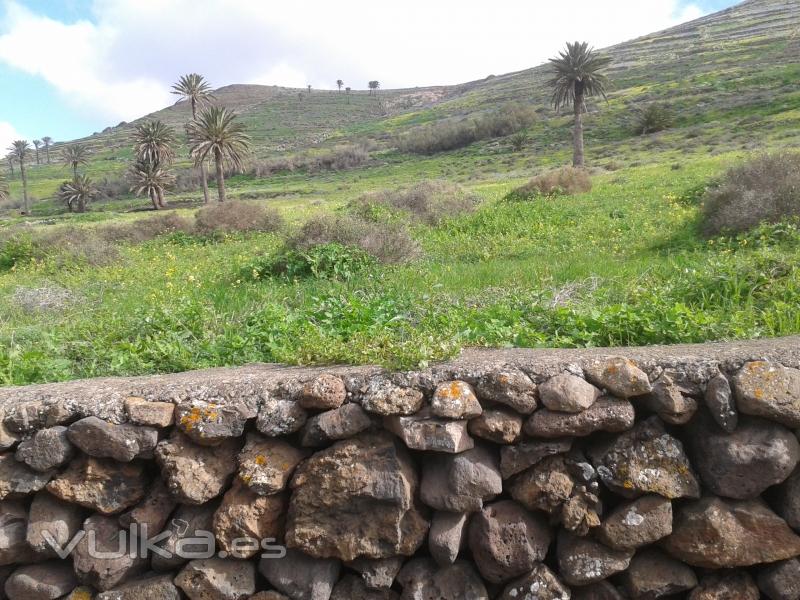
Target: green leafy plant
(326, 261)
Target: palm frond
(19, 149)
(78, 191)
(75, 154)
(149, 179)
(153, 142)
(577, 72)
(193, 86)
(216, 132)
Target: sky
(72, 67)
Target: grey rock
(653, 574)
(510, 387)
(517, 458)
(150, 414)
(606, 414)
(421, 579)
(539, 584)
(323, 392)
(353, 588)
(212, 423)
(108, 568)
(301, 577)
(277, 417)
(102, 439)
(460, 482)
(187, 522)
(497, 425)
(781, 580)
(638, 523)
(152, 513)
(338, 424)
(46, 449)
(720, 403)
(44, 581)
(377, 573)
(582, 560)
(455, 400)
(424, 431)
(266, 464)
(620, 376)
(33, 415)
(53, 518)
(382, 397)
(244, 515)
(149, 587)
(217, 579)
(447, 536)
(669, 401)
(13, 526)
(769, 390)
(7, 437)
(568, 393)
(786, 500)
(17, 479)
(726, 585)
(601, 590)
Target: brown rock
(455, 400)
(781, 580)
(515, 459)
(497, 425)
(539, 584)
(212, 423)
(720, 403)
(447, 536)
(510, 387)
(324, 392)
(244, 515)
(217, 579)
(101, 559)
(152, 513)
(716, 533)
(13, 526)
(277, 417)
(726, 585)
(83, 592)
(568, 393)
(45, 581)
(377, 573)
(332, 491)
(334, 425)
(669, 401)
(268, 596)
(606, 414)
(619, 376)
(300, 576)
(267, 464)
(17, 479)
(460, 482)
(653, 574)
(601, 590)
(187, 522)
(507, 541)
(152, 587)
(46, 449)
(787, 500)
(382, 397)
(582, 560)
(353, 588)
(636, 524)
(102, 485)
(150, 414)
(422, 579)
(423, 431)
(102, 439)
(769, 390)
(196, 474)
(53, 518)
(7, 437)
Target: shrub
(653, 118)
(326, 261)
(519, 141)
(559, 182)
(16, 249)
(429, 201)
(340, 158)
(763, 189)
(236, 217)
(146, 229)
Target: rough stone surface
(769, 390)
(17, 479)
(333, 425)
(151, 414)
(517, 458)
(539, 584)
(720, 403)
(715, 533)
(424, 431)
(646, 459)
(58, 519)
(266, 464)
(332, 491)
(781, 580)
(212, 423)
(602, 590)
(606, 414)
(32, 415)
(196, 474)
(497, 425)
(507, 541)
(447, 536)
(108, 568)
(353, 588)
(13, 526)
(100, 484)
(670, 402)
(244, 514)
(277, 417)
(653, 574)
(510, 387)
(217, 579)
(421, 579)
(324, 392)
(384, 398)
(620, 376)
(152, 513)
(460, 482)
(149, 587)
(102, 439)
(186, 522)
(638, 523)
(377, 573)
(582, 560)
(7, 437)
(726, 585)
(786, 500)
(742, 464)
(455, 400)
(44, 581)
(46, 449)
(300, 576)
(568, 393)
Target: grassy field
(622, 264)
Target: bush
(653, 118)
(559, 182)
(763, 189)
(16, 249)
(326, 261)
(429, 202)
(340, 158)
(519, 141)
(146, 229)
(237, 217)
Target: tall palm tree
(153, 142)
(76, 194)
(150, 179)
(577, 75)
(339, 84)
(195, 88)
(216, 133)
(75, 155)
(47, 141)
(373, 86)
(37, 144)
(19, 149)
(10, 159)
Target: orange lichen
(199, 415)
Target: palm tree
(3, 189)
(373, 86)
(150, 179)
(339, 84)
(216, 133)
(36, 144)
(309, 88)
(195, 88)
(153, 142)
(19, 149)
(76, 194)
(75, 155)
(578, 74)
(47, 141)
(10, 159)
(347, 93)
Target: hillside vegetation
(417, 254)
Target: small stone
(460, 482)
(507, 541)
(423, 431)
(150, 414)
(719, 401)
(17, 479)
(7, 437)
(333, 425)
(46, 449)
(786, 500)
(13, 526)
(153, 587)
(44, 581)
(28, 417)
(324, 392)
(382, 397)
(278, 417)
(769, 390)
(653, 574)
(54, 519)
(217, 579)
(742, 464)
(377, 573)
(780, 580)
(102, 439)
(636, 524)
(606, 414)
(582, 560)
(455, 400)
(97, 558)
(515, 459)
(152, 513)
(244, 515)
(619, 376)
(726, 585)
(421, 579)
(101, 484)
(669, 402)
(353, 588)
(497, 425)
(187, 522)
(447, 536)
(212, 423)
(646, 459)
(510, 387)
(601, 590)
(716, 533)
(301, 577)
(539, 584)
(266, 464)
(196, 474)
(568, 393)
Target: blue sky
(72, 67)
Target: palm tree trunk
(577, 133)
(220, 175)
(203, 171)
(154, 199)
(11, 166)
(24, 187)
(47, 153)
(74, 171)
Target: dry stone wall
(523, 474)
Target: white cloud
(120, 63)
(7, 135)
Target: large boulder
(769, 390)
